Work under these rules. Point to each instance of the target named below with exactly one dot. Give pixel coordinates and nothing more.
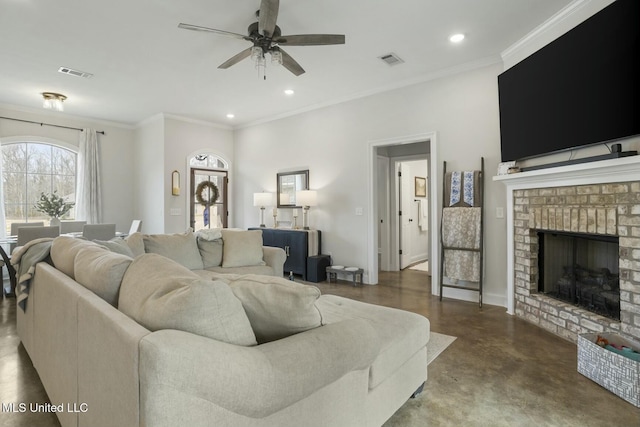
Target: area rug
(437, 344)
(423, 266)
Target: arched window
(32, 168)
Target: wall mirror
(288, 184)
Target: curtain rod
(47, 124)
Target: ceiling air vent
(391, 59)
(72, 72)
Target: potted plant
(54, 206)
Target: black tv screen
(581, 89)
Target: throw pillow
(210, 251)
(135, 243)
(117, 245)
(209, 234)
(276, 307)
(101, 271)
(159, 293)
(242, 248)
(182, 248)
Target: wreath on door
(211, 191)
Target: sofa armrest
(251, 381)
(274, 258)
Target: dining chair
(27, 234)
(99, 231)
(136, 225)
(71, 226)
(14, 230)
(16, 225)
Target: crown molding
(196, 121)
(68, 119)
(511, 54)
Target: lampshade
(306, 198)
(262, 199)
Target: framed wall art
(420, 186)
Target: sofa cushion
(159, 294)
(117, 245)
(101, 271)
(135, 243)
(242, 248)
(182, 248)
(64, 250)
(210, 252)
(401, 333)
(276, 307)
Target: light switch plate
(175, 211)
(499, 212)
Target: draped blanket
(24, 261)
(461, 229)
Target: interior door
(211, 213)
(406, 215)
(383, 214)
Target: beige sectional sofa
(147, 341)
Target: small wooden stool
(332, 273)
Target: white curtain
(88, 189)
(3, 219)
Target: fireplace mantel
(604, 171)
(612, 170)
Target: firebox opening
(581, 269)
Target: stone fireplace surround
(601, 197)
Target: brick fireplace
(600, 198)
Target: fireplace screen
(581, 269)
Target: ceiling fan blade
(212, 30)
(268, 17)
(310, 39)
(290, 64)
(235, 59)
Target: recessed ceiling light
(230, 116)
(289, 92)
(456, 38)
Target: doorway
(381, 221)
(412, 207)
(402, 205)
(208, 204)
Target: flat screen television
(581, 89)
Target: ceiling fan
(267, 37)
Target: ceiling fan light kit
(267, 37)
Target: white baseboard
(471, 296)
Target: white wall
(148, 174)
(116, 149)
(333, 144)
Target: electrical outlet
(359, 211)
(499, 212)
(175, 211)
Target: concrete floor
(501, 371)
